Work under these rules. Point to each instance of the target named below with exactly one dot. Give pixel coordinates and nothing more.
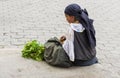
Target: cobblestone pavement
(23, 20)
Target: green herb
(34, 50)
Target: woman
(80, 41)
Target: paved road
(12, 65)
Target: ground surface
(23, 20)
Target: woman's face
(70, 19)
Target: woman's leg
(86, 63)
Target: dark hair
(74, 10)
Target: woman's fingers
(63, 38)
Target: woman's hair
(76, 11)
(73, 10)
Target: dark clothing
(84, 54)
(85, 63)
(82, 49)
(90, 31)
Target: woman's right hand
(62, 39)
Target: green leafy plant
(34, 50)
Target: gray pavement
(23, 20)
(12, 65)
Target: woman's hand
(62, 39)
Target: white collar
(77, 27)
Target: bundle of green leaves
(34, 50)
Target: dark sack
(55, 54)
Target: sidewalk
(12, 65)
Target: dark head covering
(82, 16)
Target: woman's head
(72, 13)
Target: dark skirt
(85, 63)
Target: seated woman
(80, 42)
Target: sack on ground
(55, 54)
